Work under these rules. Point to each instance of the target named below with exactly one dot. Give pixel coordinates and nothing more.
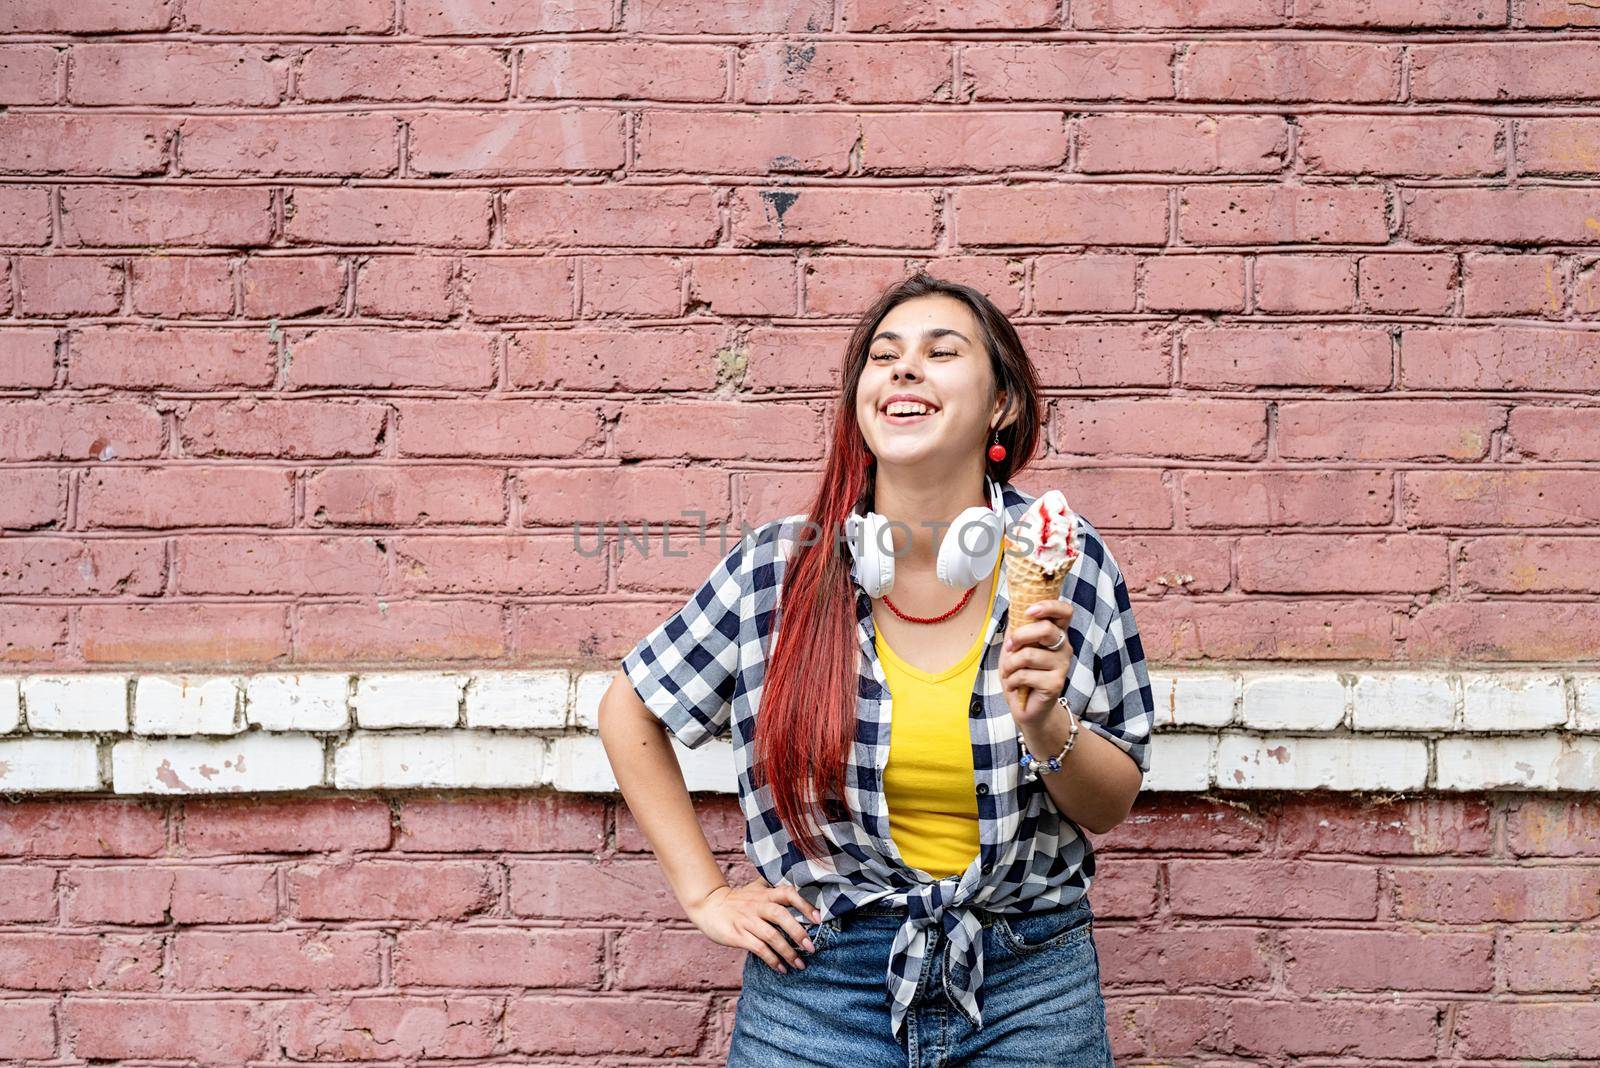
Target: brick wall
(321, 324)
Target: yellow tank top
(928, 780)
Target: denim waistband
(985, 917)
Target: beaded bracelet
(1037, 767)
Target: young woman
(940, 887)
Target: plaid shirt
(700, 671)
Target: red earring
(997, 451)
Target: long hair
(807, 722)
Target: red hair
(807, 720)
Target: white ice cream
(1048, 532)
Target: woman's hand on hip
(1027, 661)
(755, 917)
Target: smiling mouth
(909, 419)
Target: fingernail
(809, 947)
(799, 964)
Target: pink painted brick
(1289, 70)
(1408, 284)
(319, 145)
(1543, 13)
(510, 956)
(592, 496)
(52, 961)
(287, 286)
(1540, 432)
(403, 632)
(1294, 1030)
(24, 215)
(1387, 961)
(519, 142)
(1235, 957)
(1295, 890)
(367, 495)
(36, 499)
(36, 634)
(743, 285)
(83, 143)
(1538, 961)
(249, 565)
(1273, 214)
(668, 959)
(52, 286)
(1288, 282)
(750, 430)
(1175, 823)
(1387, 429)
(1067, 70)
(177, 74)
(1157, 564)
(275, 960)
(1288, 498)
(381, 358)
(369, 1028)
(465, 17)
(545, 216)
(179, 286)
(182, 496)
(588, 890)
(1554, 1030)
(548, 823)
(297, 429)
(897, 15)
(29, 73)
(92, 16)
(64, 567)
(516, 428)
(898, 217)
(79, 430)
(155, 895)
(27, 894)
(285, 824)
(344, 888)
(1183, 144)
(1172, 14)
(402, 72)
(1423, 827)
(945, 142)
(287, 16)
(1510, 70)
(152, 215)
(1506, 631)
(1125, 889)
(1194, 283)
(1223, 356)
(1558, 146)
(1481, 895)
(90, 828)
(27, 357)
(591, 1025)
(1510, 216)
(28, 1030)
(1586, 290)
(1088, 283)
(769, 72)
(1554, 827)
(510, 565)
(1160, 426)
(1061, 215)
(640, 359)
(1412, 14)
(183, 358)
(1499, 358)
(520, 287)
(406, 287)
(839, 285)
(1512, 284)
(1502, 498)
(1331, 563)
(632, 70)
(381, 216)
(226, 1031)
(626, 285)
(1523, 564)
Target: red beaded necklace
(931, 619)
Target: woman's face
(929, 348)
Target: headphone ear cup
(958, 566)
(877, 566)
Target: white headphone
(957, 565)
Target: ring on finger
(1059, 642)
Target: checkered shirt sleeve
(686, 669)
(1122, 706)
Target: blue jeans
(1041, 999)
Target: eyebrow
(933, 334)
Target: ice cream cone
(1026, 585)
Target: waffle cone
(1026, 585)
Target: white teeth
(907, 408)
